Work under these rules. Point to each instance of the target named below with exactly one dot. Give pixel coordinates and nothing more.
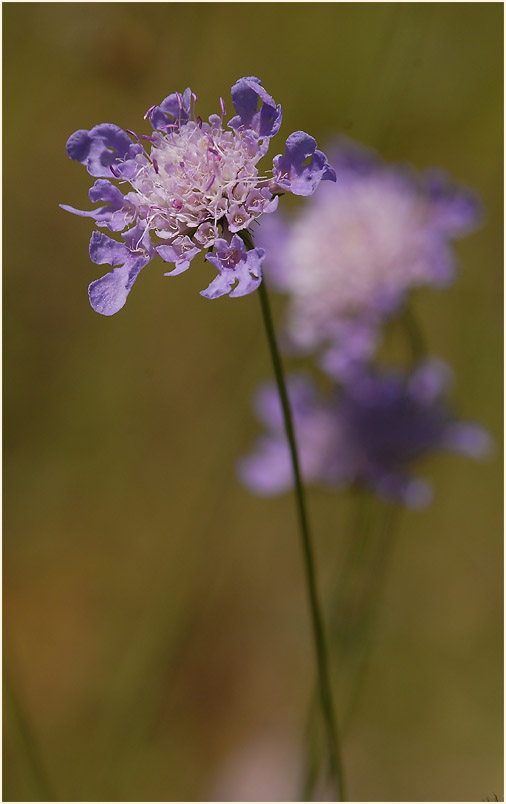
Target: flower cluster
(369, 434)
(346, 262)
(349, 258)
(195, 185)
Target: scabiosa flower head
(350, 256)
(369, 434)
(194, 185)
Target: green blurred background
(155, 623)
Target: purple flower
(102, 149)
(234, 264)
(294, 173)
(116, 214)
(109, 294)
(371, 433)
(246, 94)
(352, 254)
(194, 185)
(181, 252)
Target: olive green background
(155, 615)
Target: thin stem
(319, 637)
(370, 605)
(343, 606)
(342, 614)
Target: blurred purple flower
(195, 187)
(371, 433)
(265, 768)
(349, 257)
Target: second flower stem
(331, 729)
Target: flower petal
(116, 214)
(220, 285)
(291, 171)
(109, 294)
(245, 96)
(234, 264)
(468, 439)
(104, 249)
(302, 394)
(429, 380)
(173, 110)
(181, 252)
(268, 471)
(457, 210)
(238, 218)
(100, 148)
(249, 273)
(412, 492)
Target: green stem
(343, 606)
(318, 633)
(342, 615)
(369, 611)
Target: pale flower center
(195, 174)
(360, 243)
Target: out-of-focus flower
(264, 769)
(370, 433)
(195, 187)
(350, 256)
